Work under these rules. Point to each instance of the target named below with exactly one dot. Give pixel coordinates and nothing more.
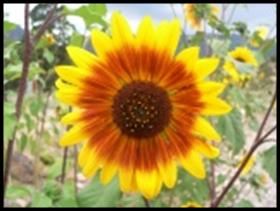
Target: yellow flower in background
(191, 204)
(50, 38)
(139, 106)
(243, 55)
(194, 18)
(262, 32)
(248, 165)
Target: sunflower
(50, 38)
(195, 18)
(262, 32)
(138, 107)
(242, 55)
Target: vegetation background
(38, 173)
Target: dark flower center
(141, 109)
(240, 59)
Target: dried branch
(257, 142)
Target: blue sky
(253, 14)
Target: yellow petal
(145, 34)
(74, 136)
(127, 177)
(92, 164)
(211, 88)
(70, 74)
(121, 31)
(189, 57)
(84, 154)
(205, 148)
(148, 183)
(108, 172)
(203, 128)
(205, 67)
(215, 106)
(193, 163)
(168, 172)
(168, 35)
(101, 42)
(71, 118)
(191, 204)
(82, 58)
(248, 165)
(69, 99)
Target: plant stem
(20, 96)
(28, 47)
(39, 135)
(257, 142)
(63, 170)
(212, 182)
(147, 203)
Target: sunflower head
(196, 13)
(261, 32)
(242, 55)
(138, 107)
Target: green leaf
(243, 67)
(48, 55)
(9, 26)
(267, 47)
(197, 38)
(220, 179)
(269, 162)
(244, 203)
(190, 188)
(77, 39)
(98, 195)
(231, 127)
(135, 200)
(241, 27)
(9, 120)
(67, 202)
(36, 106)
(23, 142)
(34, 70)
(91, 13)
(12, 71)
(14, 192)
(40, 199)
(29, 122)
(219, 47)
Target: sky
(253, 14)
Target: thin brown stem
(257, 142)
(63, 170)
(28, 47)
(147, 203)
(48, 21)
(20, 95)
(265, 118)
(212, 182)
(268, 133)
